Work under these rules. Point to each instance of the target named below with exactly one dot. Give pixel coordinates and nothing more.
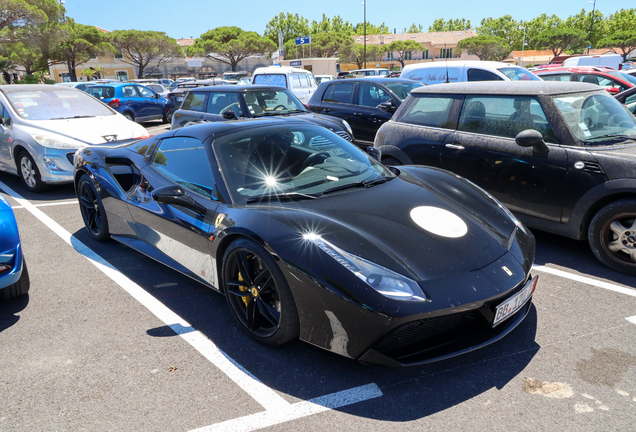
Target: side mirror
(229, 115)
(176, 195)
(532, 138)
(613, 90)
(157, 95)
(388, 106)
(374, 153)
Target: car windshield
(283, 161)
(56, 104)
(402, 89)
(596, 118)
(519, 74)
(624, 76)
(262, 103)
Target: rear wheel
(258, 294)
(29, 173)
(92, 209)
(20, 288)
(129, 116)
(612, 236)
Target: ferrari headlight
(51, 140)
(383, 280)
(348, 127)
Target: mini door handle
(455, 146)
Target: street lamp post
(592, 23)
(523, 44)
(364, 3)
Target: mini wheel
(258, 294)
(612, 236)
(92, 209)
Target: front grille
(593, 167)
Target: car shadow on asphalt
(9, 310)
(53, 193)
(568, 254)
(300, 371)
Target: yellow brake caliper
(243, 288)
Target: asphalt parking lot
(108, 339)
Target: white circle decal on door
(439, 221)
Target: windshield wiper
(365, 184)
(630, 137)
(77, 116)
(279, 196)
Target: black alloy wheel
(612, 236)
(258, 294)
(29, 173)
(92, 209)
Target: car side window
(221, 102)
(343, 93)
(194, 101)
(504, 116)
(129, 91)
(184, 161)
(146, 92)
(370, 95)
(327, 96)
(295, 81)
(430, 110)
(6, 118)
(556, 77)
(482, 75)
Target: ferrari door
(174, 208)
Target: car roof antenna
(446, 57)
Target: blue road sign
(303, 40)
(295, 63)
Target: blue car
(14, 277)
(136, 102)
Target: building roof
(434, 38)
(185, 42)
(102, 30)
(532, 53)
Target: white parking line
(631, 319)
(301, 409)
(281, 410)
(586, 280)
(47, 204)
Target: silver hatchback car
(41, 127)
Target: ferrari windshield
(262, 103)
(284, 161)
(596, 118)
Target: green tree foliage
(26, 55)
(583, 22)
(79, 43)
(441, 25)
(504, 27)
(290, 25)
(355, 54)
(403, 49)
(230, 45)
(16, 14)
(327, 25)
(415, 28)
(372, 29)
(486, 47)
(146, 50)
(330, 43)
(536, 26)
(624, 40)
(622, 20)
(559, 40)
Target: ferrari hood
(411, 227)
(92, 130)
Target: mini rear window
(431, 111)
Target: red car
(612, 80)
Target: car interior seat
(473, 116)
(590, 79)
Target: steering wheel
(280, 106)
(313, 159)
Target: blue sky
(182, 19)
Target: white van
(607, 60)
(460, 71)
(299, 81)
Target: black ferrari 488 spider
(308, 237)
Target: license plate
(514, 303)
(180, 99)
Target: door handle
(326, 110)
(357, 114)
(455, 146)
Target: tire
(92, 209)
(391, 161)
(30, 173)
(258, 294)
(18, 289)
(129, 116)
(165, 119)
(612, 236)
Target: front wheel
(92, 209)
(29, 173)
(258, 294)
(612, 236)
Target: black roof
(205, 130)
(508, 87)
(239, 88)
(377, 80)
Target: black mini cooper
(561, 156)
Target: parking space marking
(631, 319)
(278, 410)
(265, 396)
(298, 410)
(586, 280)
(47, 204)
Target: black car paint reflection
(367, 281)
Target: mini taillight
(114, 103)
